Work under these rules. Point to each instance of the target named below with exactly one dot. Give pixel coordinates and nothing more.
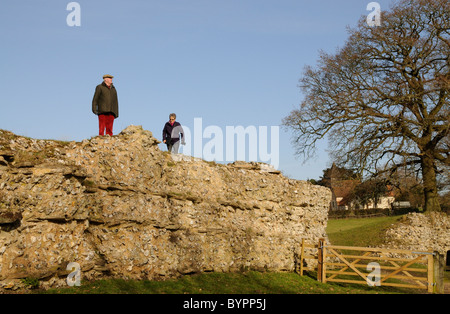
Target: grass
(250, 282)
(359, 231)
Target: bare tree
(383, 99)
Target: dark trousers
(173, 147)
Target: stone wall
(420, 232)
(120, 207)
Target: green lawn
(359, 231)
(250, 282)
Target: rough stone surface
(421, 232)
(120, 207)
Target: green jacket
(105, 100)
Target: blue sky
(228, 62)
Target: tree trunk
(429, 184)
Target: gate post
(321, 276)
(319, 262)
(302, 253)
(438, 272)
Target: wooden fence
(374, 266)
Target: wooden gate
(374, 266)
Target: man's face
(108, 81)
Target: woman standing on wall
(172, 133)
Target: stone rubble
(420, 232)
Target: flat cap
(107, 76)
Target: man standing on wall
(106, 105)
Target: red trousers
(105, 121)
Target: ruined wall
(420, 232)
(120, 207)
